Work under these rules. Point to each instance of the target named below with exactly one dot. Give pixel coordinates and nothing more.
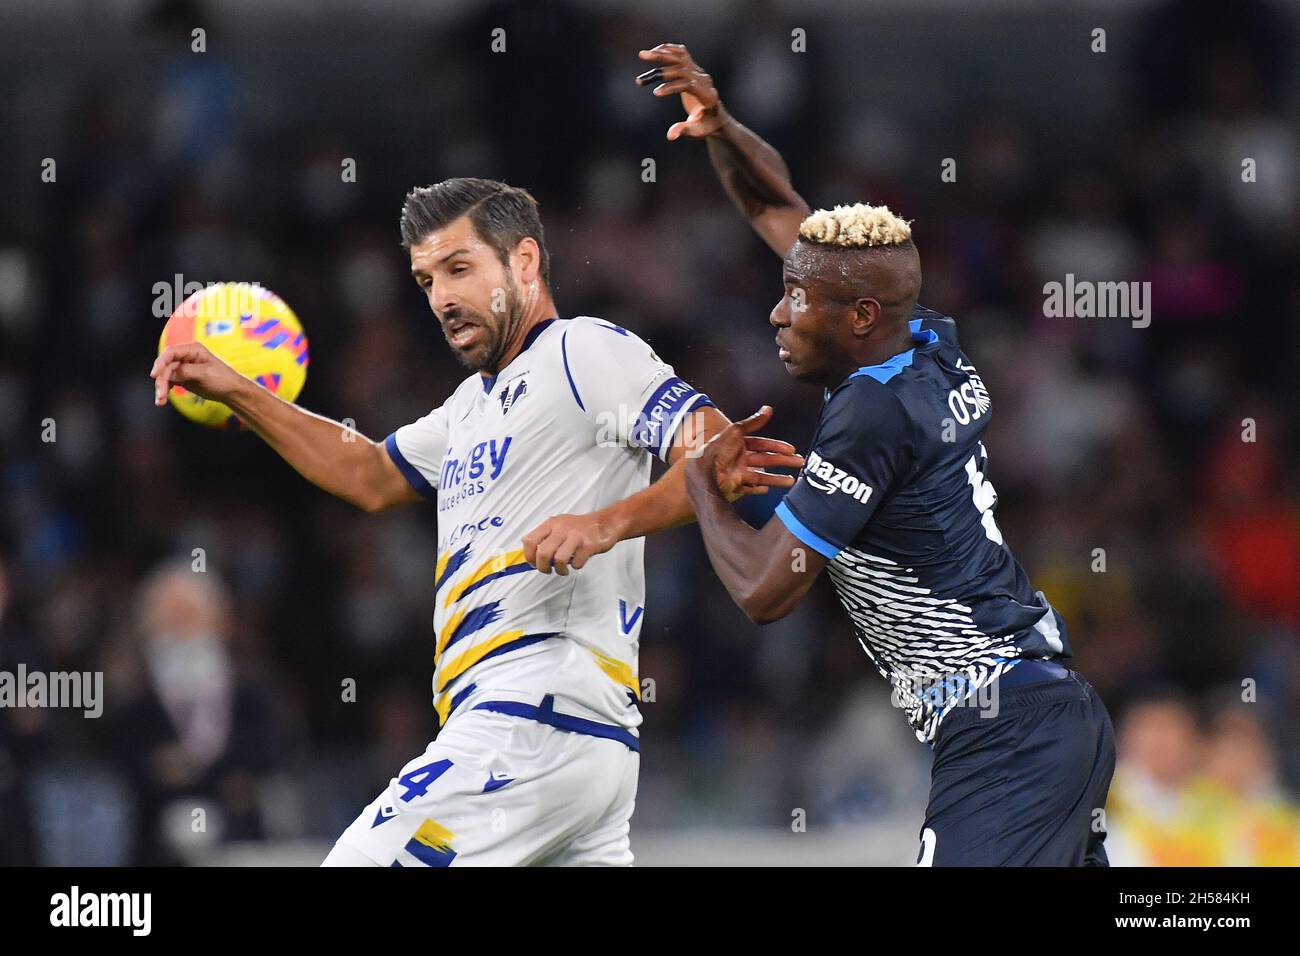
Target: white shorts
(501, 790)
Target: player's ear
(866, 313)
(528, 259)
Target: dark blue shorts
(1025, 787)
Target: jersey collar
(921, 338)
(533, 333)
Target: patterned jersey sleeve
(632, 397)
(863, 447)
(417, 450)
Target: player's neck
(881, 351)
(540, 311)
(870, 351)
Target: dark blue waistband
(576, 725)
(1028, 671)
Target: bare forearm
(729, 541)
(752, 172)
(661, 506)
(329, 455)
(767, 571)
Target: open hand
(734, 460)
(194, 367)
(677, 72)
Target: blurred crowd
(1147, 476)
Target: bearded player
(535, 673)
(895, 503)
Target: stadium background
(1123, 165)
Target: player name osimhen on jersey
(568, 426)
(895, 493)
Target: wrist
(700, 480)
(238, 395)
(725, 123)
(617, 520)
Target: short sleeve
(632, 396)
(417, 450)
(863, 446)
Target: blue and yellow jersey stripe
(463, 622)
(618, 671)
(493, 569)
(448, 564)
(431, 844)
(492, 647)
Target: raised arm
(329, 455)
(751, 171)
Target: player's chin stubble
(504, 332)
(480, 357)
(497, 333)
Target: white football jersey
(568, 427)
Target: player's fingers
(188, 352)
(672, 71)
(184, 373)
(673, 87)
(759, 476)
(773, 445)
(565, 552)
(662, 73)
(177, 367)
(755, 421)
(769, 479)
(557, 565)
(664, 53)
(532, 539)
(767, 459)
(545, 552)
(165, 358)
(678, 128)
(163, 383)
(544, 546)
(173, 353)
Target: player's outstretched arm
(326, 453)
(566, 541)
(752, 172)
(767, 572)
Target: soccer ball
(249, 328)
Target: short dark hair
(502, 215)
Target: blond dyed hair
(858, 226)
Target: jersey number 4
(417, 782)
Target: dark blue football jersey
(895, 492)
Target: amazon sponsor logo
(824, 476)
